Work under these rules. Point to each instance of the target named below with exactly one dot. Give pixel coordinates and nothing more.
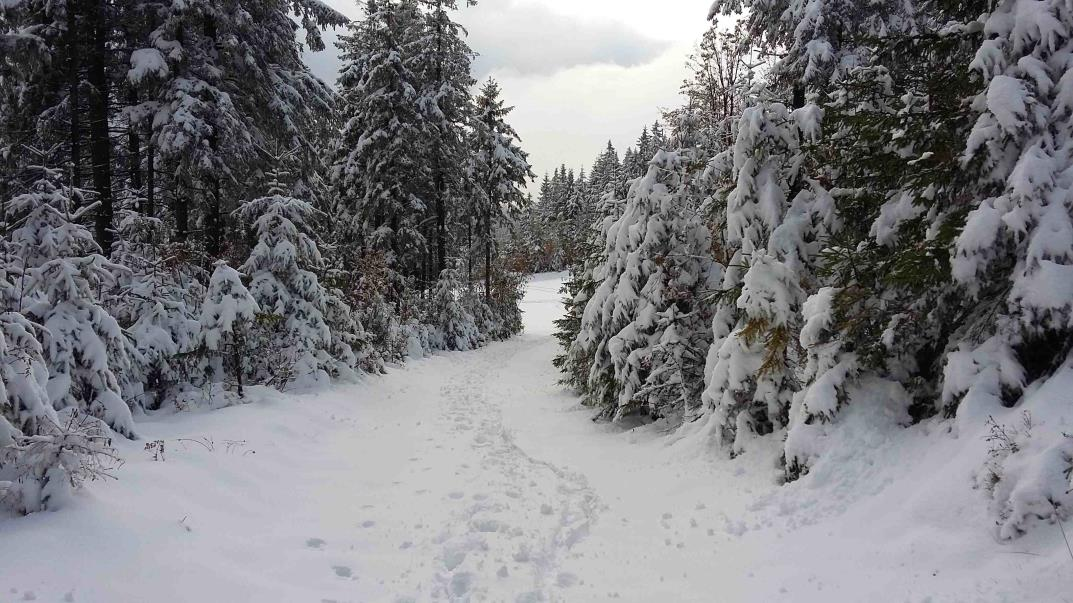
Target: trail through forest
(475, 477)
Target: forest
(187, 210)
(820, 307)
(856, 201)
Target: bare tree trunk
(134, 152)
(488, 258)
(74, 76)
(150, 180)
(181, 210)
(214, 220)
(100, 143)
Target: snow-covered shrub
(38, 472)
(502, 315)
(157, 302)
(85, 349)
(1028, 469)
(228, 314)
(658, 263)
(773, 216)
(292, 331)
(453, 322)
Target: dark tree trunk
(100, 143)
(469, 251)
(798, 100)
(488, 258)
(441, 181)
(181, 210)
(134, 152)
(74, 77)
(214, 220)
(150, 180)
(441, 223)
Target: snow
(475, 476)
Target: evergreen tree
(456, 325)
(379, 172)
(283, 266)
(227, 320)
(499, 170)
(85, 349)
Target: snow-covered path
(476, 477)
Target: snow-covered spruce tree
(219, 80)
(441, 60)
(499, 170)
(24, 407)
(453, 322)
(1014, 255)
(773, 216)
(85, 349)
(644, 325)
(576, 358)
(817, 39)
(43, 454)
(228, 316)
(292, 333)
(157, 302)
(900, 188)
(379, 172)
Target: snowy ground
(473, 476)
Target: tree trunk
(441, 223)
(181, 209)
(469, 251)
(488, 258)
(150, 180)
(214, 219)
(134, 153)
(441, 181)
(74, 68)
(100, 143)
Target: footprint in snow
(342, 571)
(315, 543)
(368, 523)
(461, 583)
(456, 495)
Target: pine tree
(379, 169)
(499, 171)
(282, 267)
(641, 328)
(228, 316)
(455, 324)
(772, 214)
(85, 349)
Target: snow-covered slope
(474, 476)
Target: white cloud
(568, 117)
(530, 38)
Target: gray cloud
(528, 38)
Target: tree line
(858, 208)
(187, 211)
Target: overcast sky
(579, 72)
